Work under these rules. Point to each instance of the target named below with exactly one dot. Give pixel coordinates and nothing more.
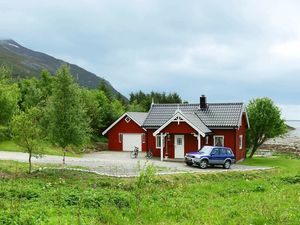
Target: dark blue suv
(211, 155)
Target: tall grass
(70, 197)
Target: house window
(179, 141)
(218, 140)
(241, 141)
(127, 119)
(206, 140)
(120, 137)
(143, 138)
(158, 141)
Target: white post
(199, 141)
(161, 147)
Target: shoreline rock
(290, 128)
(286, 143)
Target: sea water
(296, 125)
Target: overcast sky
(227, 50)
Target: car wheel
(203, 163)
(189, 163)
(227, 164)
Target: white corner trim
(247, 118)
(184, 120)
(118, 120)
(241, 141)
(244, 110)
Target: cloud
(287, 51)
(191, 58)
(230, 51)
(290, 112)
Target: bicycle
(149, 154)
(134, 153)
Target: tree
(31, 94)
(120, 98)
(69, 124)
(27, 132)
(265, 122)
(117, 109)
(93, 109)
(104, 87)
(135, 107)
(45, 84)
(5, 73)
(105, 107)
(145, 100)
(9, 96)
(100, 110)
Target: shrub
(22, 194)
(146, 176)
(143, 184)
(259, 189)
(93, 201)
(291, 179)
(30, 218)
(7, 218)
(119, 199)
(72, 199)
(5, 133)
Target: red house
(172, 130)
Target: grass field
(69, 197)
(48, 149)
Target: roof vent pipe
(203, 104)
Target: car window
(206, 149)
(223, 151)
(229, 152)
(215, 151)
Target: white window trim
(143, 138)
(157, 137)
(216, 136)
(127, 119)
(179, 138)
(241, 142)
(120, 137)
(206, 140)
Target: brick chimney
(203, 104)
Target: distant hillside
(27, 63)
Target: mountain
(27, 63)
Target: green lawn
(284, 162)
(48, 149)
(69, 197)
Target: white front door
(132, 140)
(179, 146)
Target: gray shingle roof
(221, 115)
(191, 118)
(215, 115)
(139, 117)
(194, 119)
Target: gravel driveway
(120, 164)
